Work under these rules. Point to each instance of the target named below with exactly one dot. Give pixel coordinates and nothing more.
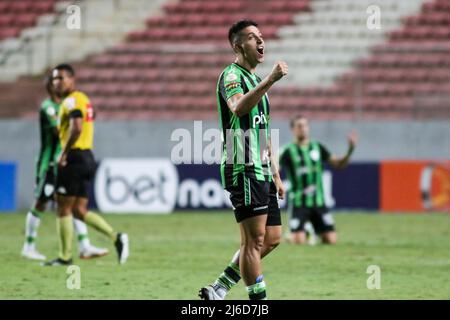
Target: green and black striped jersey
(245, 139)
(303, 166)
(50, 145)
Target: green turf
(172, 256)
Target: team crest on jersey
(231, 77)
(70, 103)
(51, 111)
(315, 155)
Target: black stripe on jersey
(225, 112)
(314, 174)
(304, 175)
(245, 125)
(291, 169)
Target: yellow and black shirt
(77, 104)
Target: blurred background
(380, 67)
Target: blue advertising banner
(7, 186)
(357, 186)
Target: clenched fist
(280, 69)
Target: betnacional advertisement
(156, 185)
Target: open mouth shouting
(260, 50)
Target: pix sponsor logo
(259, 119)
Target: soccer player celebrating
(302, 160)
(45, 182)
(246, 170)
(76, 168)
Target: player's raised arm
(342, 162)
(241, 104)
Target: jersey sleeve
(50, 114)
(324, 153)
(232, 83)
(76, 105)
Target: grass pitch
(172, 256)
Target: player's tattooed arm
(342, 162)
(241, 104)
(76, 125)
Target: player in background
(246, 170)
(46, 179)
(303, 160)
(76, 168)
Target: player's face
(251, 45)
(63, 82)
(301, 129)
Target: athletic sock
(257, 291)
(64, 227)
(32, 222)
(82, 234)
(227, 279)
(97, 222)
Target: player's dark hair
(297, 117)
(48, 84)
(66, 67)
(233, 33)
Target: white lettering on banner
(209, 194)
(136, 185)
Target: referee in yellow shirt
(76, 168)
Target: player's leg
(299, 217)
(250, 199)
(252, 240)
(329, 237)
(274, 229)
(85, 248)
(44, 191)
(86, 164)
(32, 223)
(97, 222)
(67, 185)
(323, 223)
(231, 275)
(64, 227)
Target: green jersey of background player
(246, 169)
(45, 181)
(302, 160)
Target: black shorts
(252, 197)
(45, 185)
(76, 176)
(320, 218)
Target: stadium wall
(379, 141)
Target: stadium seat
(173, 63)
(15, 16)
